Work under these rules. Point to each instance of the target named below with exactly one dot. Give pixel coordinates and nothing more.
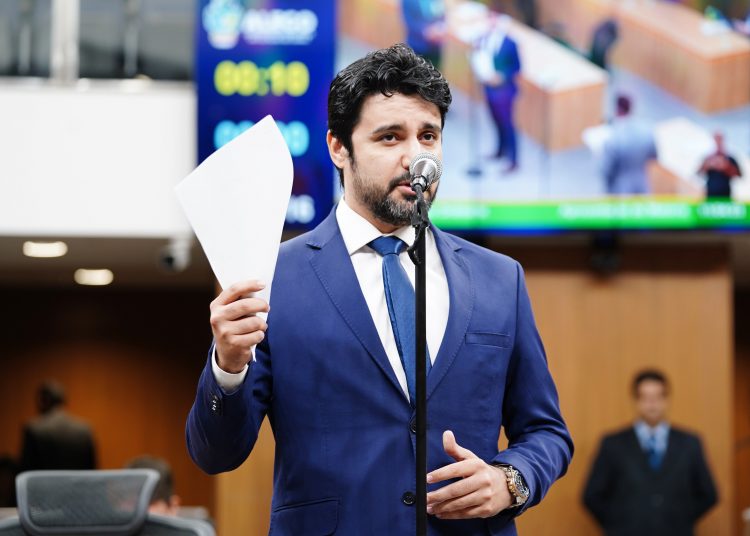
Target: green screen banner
(666, 214)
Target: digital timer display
(260, 57)
(246, 78)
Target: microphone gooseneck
(425, 168)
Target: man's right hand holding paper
(235, 324)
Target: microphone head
(425, 168)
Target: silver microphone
(425, 168)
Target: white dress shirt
(357, 232)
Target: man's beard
(382, 203)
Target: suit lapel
(331, 263)
(670, 454)
(634, 445)
(461, 292)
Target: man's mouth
(405, 188)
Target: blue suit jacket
(508, 63)
(345, 452)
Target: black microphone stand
(420, 221)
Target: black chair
(92, 502)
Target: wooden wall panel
(130, 362)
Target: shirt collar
(357, 232)
(644, 430)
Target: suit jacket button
(408, 498)
(413, 425)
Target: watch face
(520, 485)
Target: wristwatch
(517, 487)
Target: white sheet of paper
(236, 202)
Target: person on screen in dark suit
(720, 169)
(333, 368)
(651, 478)
(604, 38)
(424, 21)
(55, 439)
(496, 64)
(627, 152)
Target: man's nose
(411, 150)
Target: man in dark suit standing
(55, 439)
(650, 478)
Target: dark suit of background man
(55, 439)
(650, 479)
(329, 370)
(500, 86)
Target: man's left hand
(481, 492)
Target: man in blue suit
(500, 52)
(328, 371)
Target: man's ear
(339, 153)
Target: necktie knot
(388, 245)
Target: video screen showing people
(581, 114)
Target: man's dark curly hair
(396, 69)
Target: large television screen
(566, 115)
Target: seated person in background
(649, 479)
(55, 439)
(720, 168)
(163, 501)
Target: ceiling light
(93, 277)
(44, 249)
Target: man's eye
(388, 137)
(429, 136)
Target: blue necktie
(399, 295)
(653, 453)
